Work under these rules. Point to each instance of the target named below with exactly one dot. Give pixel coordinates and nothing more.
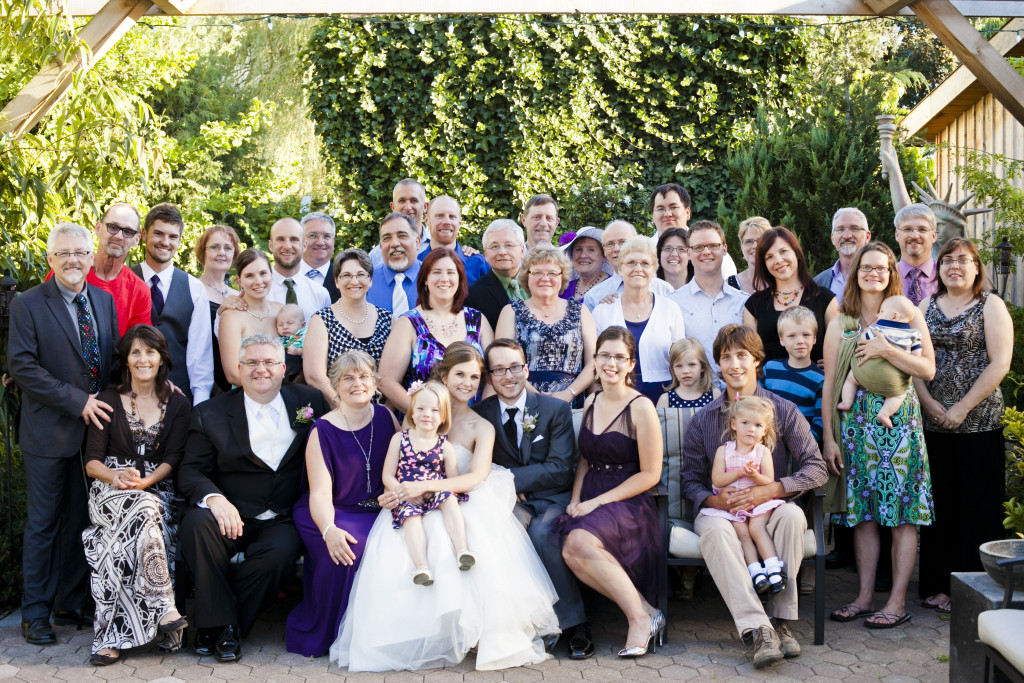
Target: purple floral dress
(426, 350)
(416, 465)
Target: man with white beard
(394, 281)
(849, 233)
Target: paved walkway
(702, 646)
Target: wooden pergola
(113, 18)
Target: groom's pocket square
(538, 438)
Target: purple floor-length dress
(313, 625)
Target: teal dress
(887, 476)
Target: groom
(240, 476)
(534, 439)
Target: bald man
(286, 244)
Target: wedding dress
(503, 605)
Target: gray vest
(174, 322)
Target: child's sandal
(422, 577)
(761, 584)
(780, 585)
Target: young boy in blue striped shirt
(798, 378)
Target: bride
(503, 606)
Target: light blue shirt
(383, 286)
(705, 316)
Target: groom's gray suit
(543, 467)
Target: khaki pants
(724, 558)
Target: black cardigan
(116, 437)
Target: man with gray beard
(394, 280)
(849, 233)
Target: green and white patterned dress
(887, 476)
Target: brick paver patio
(702, 647)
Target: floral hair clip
(414, 387)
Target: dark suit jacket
(544, 465)
(329, 284)
(45, 358)
(489, 297)
(219, 458)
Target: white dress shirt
(199, 346)
(613, 285)
(705, 315)
(521, 405)
(664, 328)
(728, 265)
(310, 296)
(305, 268)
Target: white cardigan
(664, 328)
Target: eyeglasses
(949, 261)
(65, 255)
(506, 246)
(349, 277)
(867, 270)
(914, 231)
(613, 245)
(219, 247)
(748, 243)
(673, 250)
(619, 359)
(632, 265)
(545, 275)
(852, 229)
(516, 369)
(114, 228)
(269, 364)
(319, 237)
(714, 246)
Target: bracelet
(571, 392)
(329, 527)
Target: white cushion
(1000, 629)
(684, 543)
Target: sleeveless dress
(968, 469)
(426, 350)
(887, 475)
(629, 529)
(674, 400)
(502, 605)
(554, 353)
(340, 340)
(313, 624)
(737, 461)
(414, 465)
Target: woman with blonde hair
(749, 231)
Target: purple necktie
(915, 294)
(158, 296)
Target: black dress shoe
(72, 617)
(550, 642)
(104, 660)
(229, 647)
(38, 632)
(581, 644)
(837, 560)
(205, 641)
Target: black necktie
(510, 427)
(158, 296)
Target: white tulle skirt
(503, 605)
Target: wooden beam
(970, 8)
(174, 8)
(887, 7)
(48, 86)
(984, 61)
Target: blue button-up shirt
(383, 286)
(475, 266)
(705, 316)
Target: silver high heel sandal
(655, 639)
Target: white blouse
(664, 328)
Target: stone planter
(993, 551)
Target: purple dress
(313, 624)
(628, 529)
(426, 351)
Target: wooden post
(887, 7)
(51, 83)
(984, 61)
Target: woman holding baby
(881, 469)
(973, 337)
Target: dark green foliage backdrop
(492, 110)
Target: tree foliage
(493, 110)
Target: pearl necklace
(366, 313)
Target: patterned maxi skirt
(887, 476)
(130, 548)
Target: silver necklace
(261, 318)
(222, 292)
(366, 313)
(446, 330)
(366, 453)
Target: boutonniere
(304, 415)
(529, 422)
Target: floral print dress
(425, 465)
